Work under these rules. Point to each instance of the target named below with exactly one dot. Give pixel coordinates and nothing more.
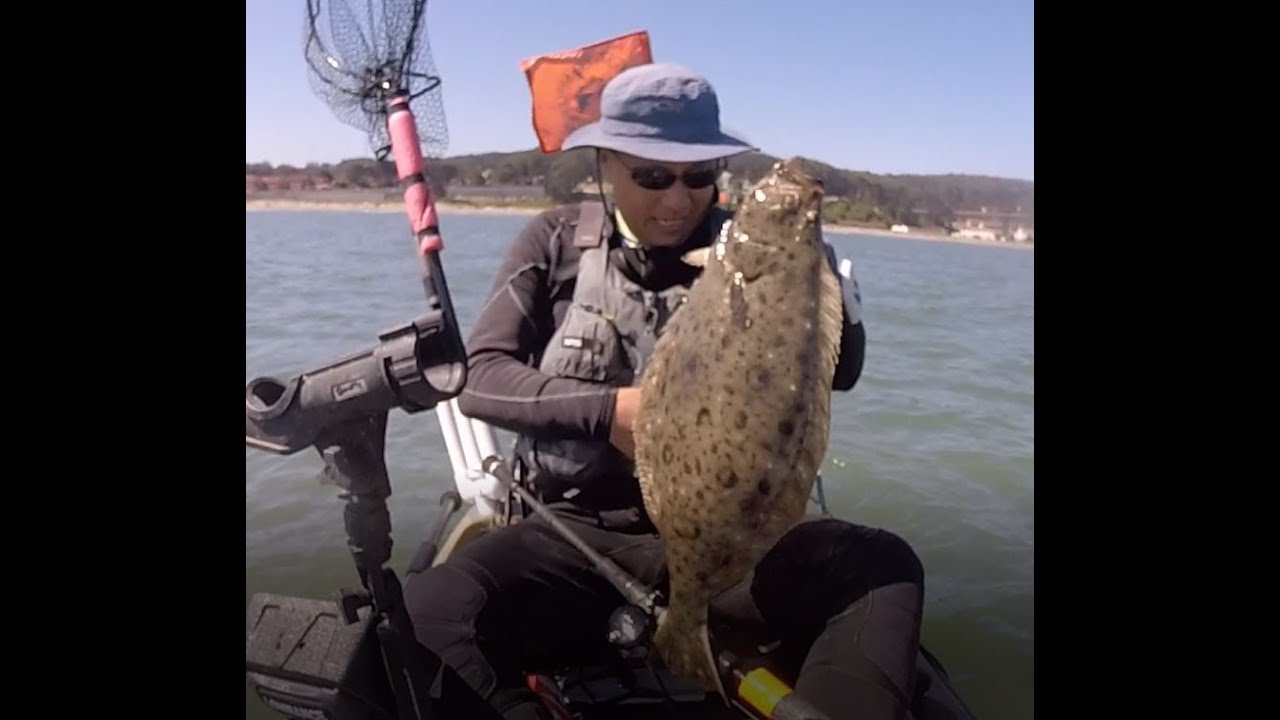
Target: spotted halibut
(734, 417)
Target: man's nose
(676, 198)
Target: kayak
(309, 658)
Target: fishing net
(359, 58)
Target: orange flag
(566, 85)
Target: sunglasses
(656, 177)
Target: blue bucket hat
(660, 112)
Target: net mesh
(360, 57)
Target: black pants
(844, 602)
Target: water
(935, 443)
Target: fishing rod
(377, 77)
(757, 691)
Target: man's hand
(625, 406)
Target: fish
(735, 406)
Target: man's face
(659, 207)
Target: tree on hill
(567, 171)
(853, 196)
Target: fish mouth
(792, 175)
(788, 190)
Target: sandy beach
(445, 207)
(383, 206)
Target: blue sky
(895, 86)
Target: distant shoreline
(446, 207)
(376, 206)
(933, 237)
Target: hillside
(855, 197)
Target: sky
(894, 86)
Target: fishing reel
(630, 628)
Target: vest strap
(590, 225)
(593, 263)
(593, 269)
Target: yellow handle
(762, 690)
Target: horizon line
(428, 159)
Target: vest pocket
(558, 465)
(586, 347)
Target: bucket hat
(661, 112)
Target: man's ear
(603, 163)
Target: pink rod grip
(406, 149)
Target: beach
(917, 235)
(444, 206)
(380, 206)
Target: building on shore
(995, 225)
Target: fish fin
(684, 643)
(696, 258)
(818, 429)
(646, 468)
(650, 498)
(713, 668)
(831, 317)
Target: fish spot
(740, 421)
(760, 376)
(763, 486)
(687, 470)
(689, 531)
(668, 454)
(699, 495)
(697, 467)
(704, 417)
(727, 480)
(691, 365)
(786, 427)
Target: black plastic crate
(305, 661)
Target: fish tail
(685, 646)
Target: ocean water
(936, 442)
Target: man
(556, 355)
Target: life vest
(607, 336)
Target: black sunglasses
(656, 177)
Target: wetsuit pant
(843, 602)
